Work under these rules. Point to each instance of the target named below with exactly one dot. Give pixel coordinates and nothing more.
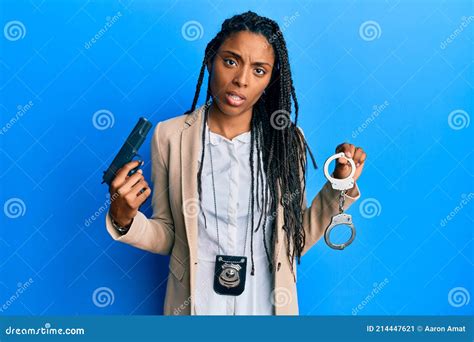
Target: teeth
(235, 97)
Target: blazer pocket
(176, 267)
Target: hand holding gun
(127, 186)
(128, 151)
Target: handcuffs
(341, 218)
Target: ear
(209, 67)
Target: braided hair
(277, 140)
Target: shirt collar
(216, 139)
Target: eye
(262, 71)
(228, 61)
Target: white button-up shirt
(232, 179)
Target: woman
(205, 164)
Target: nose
(241, 78)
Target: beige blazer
(173, 227)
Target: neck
(228, 126)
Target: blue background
(419, 166)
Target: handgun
(128, 151)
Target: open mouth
(234, 100)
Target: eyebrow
(236, 55)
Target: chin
(229, 110)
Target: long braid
(200, 171)
(252, 142)
(198, 88)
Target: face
(240, 72)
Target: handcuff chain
(342, 200)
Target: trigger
(134, 170)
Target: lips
(234, 99)
(236, 94)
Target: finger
(135, 200)
(133, 180)
(362, 159)
(142, 184)
(348, 150)
(142, 196)
(130, 182)
(342, 161)
(352, 150)
(123, 172)
(340, 148)
(131, 197)
(357, 155)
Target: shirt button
(279, 265)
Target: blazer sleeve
(156, 234)
(318, 216)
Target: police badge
(229, 274)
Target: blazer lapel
(278, 231)
(190, 147)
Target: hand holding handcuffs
(343, 185)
